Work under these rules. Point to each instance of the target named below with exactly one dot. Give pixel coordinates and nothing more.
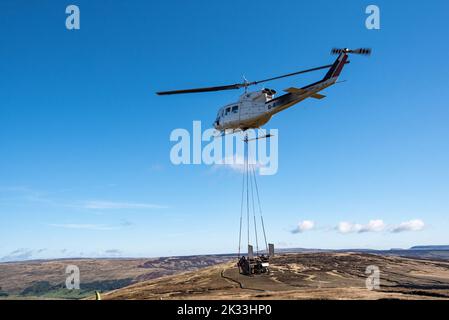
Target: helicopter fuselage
(254, 109)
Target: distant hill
(430, 248)
(440, 252)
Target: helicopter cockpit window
(235, 109)
(228, 110)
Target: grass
(45, 290)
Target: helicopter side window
(228, 110)
(235, 109)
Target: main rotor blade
(239, 85)
(291, 74)
(207, 89)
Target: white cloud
(348, 227)
(22, 254)
(412, 225)
(121, 205)
(237, 163)
(303, 226)
(372, 226)
(379, 226)
(25, 254)
(99, 227)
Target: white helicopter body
(255, 109)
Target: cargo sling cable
(250, 193)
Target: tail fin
(337, 67)
(342, 59)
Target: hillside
(307, 275)
(46, 279)
(302, 276)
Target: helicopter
(255, 109)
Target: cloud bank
(379, 226)
(375, 225)
(21, 254)
(236, 163)
(412, 225)
(304, 226)
(372, 226)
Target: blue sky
(84, 141)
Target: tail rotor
(361, 51)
